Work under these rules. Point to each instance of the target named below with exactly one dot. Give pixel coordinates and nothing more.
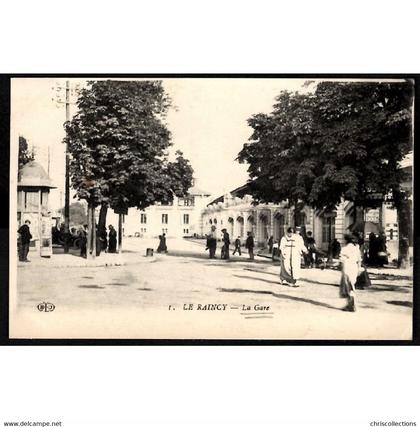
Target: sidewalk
(73, 259)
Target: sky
(208, 124)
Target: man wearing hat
(25, 240)
(226, 243)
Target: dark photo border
(5, 100)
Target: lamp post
(71, 93)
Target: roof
(196, 191)
(237, 192)
(34, 175)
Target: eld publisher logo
(46, 307)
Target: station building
(179, 218)
(236, 212)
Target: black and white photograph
(257, 208)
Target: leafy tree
(280, 154)
(119, 141)
(77, 214)
(25, 156)
(344, 140)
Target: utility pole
(67, 183)
(74, 90)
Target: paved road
(183, 294)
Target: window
(164, 218)
(186, 218)
(186, 201)
(44, 199)
(186, 231)
(31, 200)
(328, 229)
(143, 218)
(164, 230)
(168, 203)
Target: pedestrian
(212, 242)
(350, 267)
(162, 244)
(382, 256)
(292, 247)
(226, 243)
(112, 240)
(270, 244)
(104, 238)
(249, 244)
(99, 241)
(25, 239)
(312, 250)
(237, 246)
(335, 249)
(83, 240)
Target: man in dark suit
(25, 239)
(226, 243)
(249, 244)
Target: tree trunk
(404, 233)
(102, 217)
(91, 237)
(120, 222)
(93, 234)
(89, 233)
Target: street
(183, 294)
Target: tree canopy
(25, 156)
(118, 142)
(343, 140)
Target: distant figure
(312, 250)
(382, 257)
(276, 250)
(162, 244)
(98, 242)
(112, 240)
(373, 249)
(25, 239)
(83, 240)
(226, 243)
(249, 244)
(212, 242)
(237, 246)
(292, 247)
(335, 249)
(351, 263)
(104, 238)
(270, 244)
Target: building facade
(179, 218)
(239, 215)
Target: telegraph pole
(70, 91)
(67, 183)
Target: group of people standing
(211, 245)
(105, 241)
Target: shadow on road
(408, 304)
(244, 291)
(91, 287)
(280, 296)
(383, 287)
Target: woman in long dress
(291, 249)
(112, 241)
(350, 267)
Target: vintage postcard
(211, 208)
